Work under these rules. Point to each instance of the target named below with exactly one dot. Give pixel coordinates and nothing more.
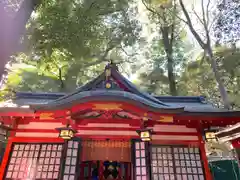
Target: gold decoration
(107, 107)
(210, 137)
(167, 119)
(66, 132)
(145, 119)
(111, 167)
(122, 150)
(108, 72)
(145, 134)
(46, 116)
(108, 85)
(108, 144)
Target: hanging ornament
(91, 154)
(122, 152)
(107, 152)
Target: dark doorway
(105, 170)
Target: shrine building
(108, 129)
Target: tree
(87, 29)
(227, 25)
(13, 29)
(46, 77)
(198, 79)
(68, 42)
(206, 44)
(154, 79)
(163, 15)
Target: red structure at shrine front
(106, 113)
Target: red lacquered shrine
(106, 113)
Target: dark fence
(225, 170)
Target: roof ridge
(117, 77)
(200, 99)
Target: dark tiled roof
(108, 85)
(26, 98)
(192, 104)
(126, 85)
(105, 95)
(54, 96)
(122, 90)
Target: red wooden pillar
(101, 169)
(81, 171)
(126, 171)
(120, 171)
(89, 165)
(5, 158)
(204, 158)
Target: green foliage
(84, 29)
(155, 79)
(197, 78)
(68, 42)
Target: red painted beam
(108, 129)
(116, 121)
(37, 130)
(36, 140)
(104, 137)
(176, 142)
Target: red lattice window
(34, 161)
(176, 163)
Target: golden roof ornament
(108, 73)
(108, 70)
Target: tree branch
(149, 9)
(214, 20)
(179, 32)
(90, 7)
(173, 25)
(61, 78)
(120, 47)
(205, 24)
(103, 57)
(198, 17)
(181, 19)
(207, 16)
(198, 38)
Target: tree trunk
(208, 50)
(171, 77)
(169, 51)
(13, 30)
(4, 34)
(220, 84)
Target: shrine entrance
(105, 170)
(105, 160)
